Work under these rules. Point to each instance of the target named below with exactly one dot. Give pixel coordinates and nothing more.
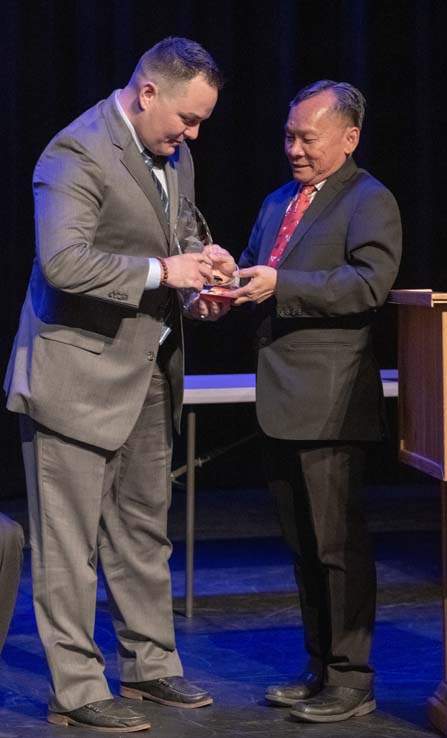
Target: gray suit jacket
(317, 378)
(88, 337)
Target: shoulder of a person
(283, 193)
(363, 189)
(368, 184)
(82, 135)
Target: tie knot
(308, 190)
(154, 160)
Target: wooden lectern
(422, 364)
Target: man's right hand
(192, 271)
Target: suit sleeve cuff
(154, 275)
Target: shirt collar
(126, 120)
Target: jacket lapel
(172, 182)
(274, 220)
(335, 183)
(133, 161)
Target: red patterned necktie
(292, 217)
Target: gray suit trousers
(86, 503)
(11, 558)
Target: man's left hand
(224, 265)
(261, 286)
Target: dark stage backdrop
(60, 56)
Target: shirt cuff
(154, 275)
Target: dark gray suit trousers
(317, 490)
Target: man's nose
(192, 132)
(296, 149)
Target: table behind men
(207, 389)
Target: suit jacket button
(263, 341)
(150, 356)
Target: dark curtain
(60, 56)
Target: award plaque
(191, 235)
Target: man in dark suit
(322, 257)
(96, 373)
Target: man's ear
(147, 93)
(352, 137)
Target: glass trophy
(191, 235)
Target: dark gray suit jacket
(317, 378)
(88, 336)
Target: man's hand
(261, 286)
(224, 265)
(208, 309)
(192, 271)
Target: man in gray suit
(97, 374)
(322, 256)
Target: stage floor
(246, 631)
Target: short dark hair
(349, 100)
(179, 60)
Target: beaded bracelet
(164, 269)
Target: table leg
(190, 511)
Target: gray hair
(349, 100)
(178, 60)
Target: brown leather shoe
(304, 686)
(174, 691)
(105, 716)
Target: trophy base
(218, 294)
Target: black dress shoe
(106, 716)
(333, 704)
(305, 685)
(174, 691)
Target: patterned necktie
(151, 161)
(292, 217)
